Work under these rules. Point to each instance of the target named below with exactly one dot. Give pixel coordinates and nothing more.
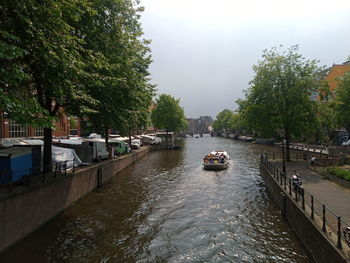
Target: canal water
(166, 208)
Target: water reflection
(166, 208)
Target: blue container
(15, 163)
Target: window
(39, 132)
(17, 130)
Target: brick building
(64, 126)
(337, 71)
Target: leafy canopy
(278, 102)
(168, 114)
(342, 101)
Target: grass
(339, 172)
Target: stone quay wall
(23, 213)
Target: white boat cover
(60, 154)
(69, 141)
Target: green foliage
(85, 56)
(342, 102)
(278, 103)
(339, 172)
(168, 114)
(222, 122)
(14, 103)
(228, 121)
(118, 74)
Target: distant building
(199, 125)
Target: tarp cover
(60, 154)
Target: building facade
(337, 71)
(64, 127)
(199, 125)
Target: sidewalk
(334, 196)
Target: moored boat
(216, 160)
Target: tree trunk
(106, 140)
(130, 140)
(283, 158)
(287, 136)
(167, 139)
(47, 158)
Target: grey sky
(203, 51)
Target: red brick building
(337, 71)
(65, 126)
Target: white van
(98, 149)
(151, 139)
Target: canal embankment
(318, 215)
(23, 212)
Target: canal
(166, 208)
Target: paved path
(327, 192)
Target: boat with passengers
(216, 160)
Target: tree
(326, 114)
(342, 102)
(278, 103)
(52, 59)
(84, 56)
(119, 80)
(12, 78)
(168, 114)
(223, 121)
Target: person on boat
(222, 158)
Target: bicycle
(346, 233)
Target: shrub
(341, 173)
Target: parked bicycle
(297, 184)
(346, 233)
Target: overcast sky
(203, 50)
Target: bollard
(283, 204)
(303, 201)
(339, 233)
(323, 218)
(296, 195)
(312, 207)
(285, 182)
(281, 177)
(99, 177)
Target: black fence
(36, 173)
(328, 221)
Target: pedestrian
(313, 159)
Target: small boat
(216, 160)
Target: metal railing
(328, 221)
(28, 174)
